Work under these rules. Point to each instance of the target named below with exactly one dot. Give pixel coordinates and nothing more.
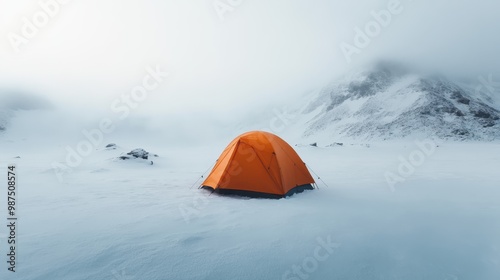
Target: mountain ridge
(12, 101)
(388, 101)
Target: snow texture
(112, 219)
(390, 102)
(123, 220)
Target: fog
(244, 57)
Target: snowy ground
(120, 220)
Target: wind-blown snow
(114, 219)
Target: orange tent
(259, 164)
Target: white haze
(86, 214)
(262, 54)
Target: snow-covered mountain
(5, 115)
(12, 101)
(388, 101)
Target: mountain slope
(10, 102)
(388, 102)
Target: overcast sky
(91, 52)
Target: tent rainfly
(259, 164)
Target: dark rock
(336, 144)
(457, 95)
(489, 124)
(461, 132)
(314, 144)
(482, 114)
(453, 111)
(139, 153)
(111, 146)
(136, 153)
